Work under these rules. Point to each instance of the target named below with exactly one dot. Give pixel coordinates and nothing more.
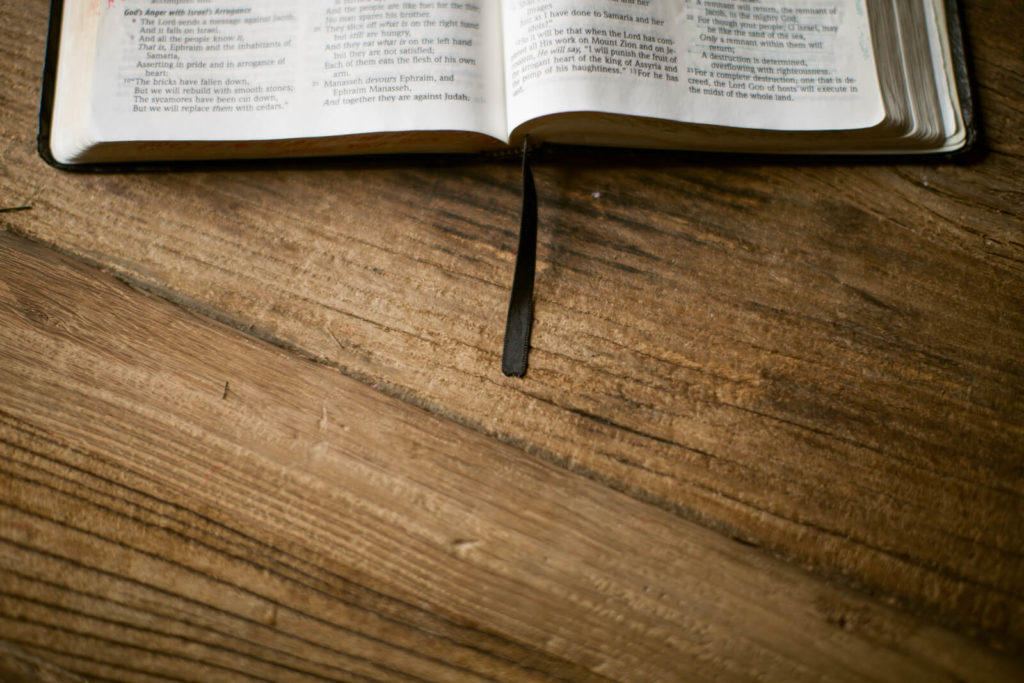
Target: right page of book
(761, 64)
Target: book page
(763, 64)
(261, 70)
(944, 77)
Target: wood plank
(17, 666)
(824, 360)
(179, 502)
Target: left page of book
(251, 70)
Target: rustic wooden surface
(773, 425)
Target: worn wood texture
(18, 666)
(180, 502)
(823, 360)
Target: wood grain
(178, 502)
(823, 360)
(18, 666)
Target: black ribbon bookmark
(520, 305)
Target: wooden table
(253, 427)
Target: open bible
(144, 80)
